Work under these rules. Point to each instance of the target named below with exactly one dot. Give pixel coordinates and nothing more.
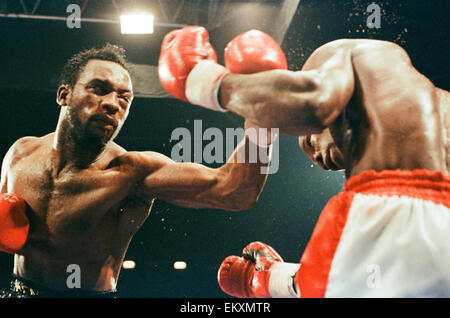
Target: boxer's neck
(70, 151)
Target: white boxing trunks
(386, 235)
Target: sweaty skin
(87, 196)
(356, 105)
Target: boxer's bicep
(332, 64)
(297, 102)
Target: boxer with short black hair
(361, 106)
(75, 65)
(77, 197)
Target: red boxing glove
(260, 273)
(251, 52)
(181, 51)
(254, 51)
(14, 224)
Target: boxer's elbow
(241, 199)
(238, 191)
(321, 98)
(299, 108)
(238, 204)
(249, 199)
(303, 117)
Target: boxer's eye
(308, 142)
(99, 87)
(125, 98)
(99, 90)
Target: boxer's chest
(70, 200)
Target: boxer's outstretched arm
(234, 186)
(298, 103)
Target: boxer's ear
(63, 95)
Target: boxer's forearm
(280, 99)
(234, 186)
(245, 174)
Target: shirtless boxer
(86, 196)
(357, 105)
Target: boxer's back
(397, 118)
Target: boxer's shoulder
(361, 43)
(358, 47)
(143, 162)
(27, 144)
(23, 147)
(372, 47)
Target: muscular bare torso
(85, 217)
(396, 118)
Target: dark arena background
(34, 47)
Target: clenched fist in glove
(254, 51)
(14, 223)
(188, 68)
(259, 273)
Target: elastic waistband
(424, 184)
(26, 288)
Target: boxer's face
(322, 149)
(100, 100)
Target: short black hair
(75, 65)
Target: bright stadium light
(179, 265)
(136, 23)
(129, 264)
